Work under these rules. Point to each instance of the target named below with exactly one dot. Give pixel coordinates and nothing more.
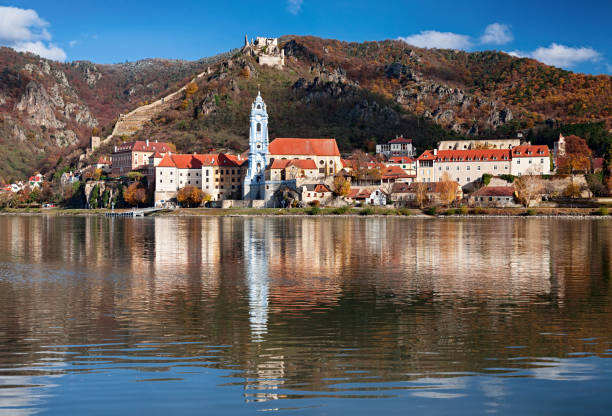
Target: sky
(567, 34)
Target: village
(312, 172)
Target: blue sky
(569, 34)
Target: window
(321, 162)
(541, 160)
(467, 168)
(518, 161)
(530, 161)
(468, 179)
(206, 179)
(171, 181)
(439, 167)
(181, 174)
(457, 167)
(457, 179)
(188, 182)
(188, 173)
(447, 168)
(321, 170)
(495, 167)
(207, 172)
(161, 173)
(160, 181)
(216, 171)
(477, 167)
(258, 126)
(197, 182)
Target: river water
(314, 316)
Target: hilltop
(359, 93)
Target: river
(305, 315)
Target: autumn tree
(528, 188)
(447, 189)
(420, 194)
(577, 157)
(191, 196)
(341, 186)
(191, 89)
(135, 194)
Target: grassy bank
(344, 211)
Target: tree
(420, 195)
(577, 157)
(341, 186)
(447, 189)
(135, 176)
(135, 194)
(191, 89)
(528, 189)
(191, 196)
(572, 190)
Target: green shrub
(315, 210)
(462, 210)
(507, 177)
(431, 211)
(486, 178)
(366, 211)
(530, 212)
(404, 211)
(603, 211)
(315, 203)
(341, 210)
(451, 211)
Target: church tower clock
(254, 182)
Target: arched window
(259, 168)
(258, 127)
(259, 106)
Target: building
(135, 155)
(266, 50)
(494, 196)
(36, 180)
(377, 197)
(394, 173)
(479, 144)
(284, 169)
(408, 164)
(254, 183)
(219, 175)
(467, 166)
(324, 153)
(316, 192)
(530, 160)
(396, 147)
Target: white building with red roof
(324, 153)
(135, 155)
(219, 175)
(466, 166)
(396, 147)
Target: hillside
(49, 109)
(359, 93)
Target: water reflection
(300, 308)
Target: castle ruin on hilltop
(266, 51)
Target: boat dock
(132, 213)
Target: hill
(359, 93)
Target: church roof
(300, 163)
(304, 147)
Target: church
(291, 162)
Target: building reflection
(301, 301)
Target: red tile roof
(198, 160)
(473, 155)
(156, 155)
(400, 140)
(495, 191)
(322, 188)
(530, 151)
(103, 161)
(394, 172)
(316, 147)
(598, 163)
(307, 164)
(427, 155)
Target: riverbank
(344, 211)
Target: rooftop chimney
(147, 142)
(435, 152)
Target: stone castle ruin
(266, 51)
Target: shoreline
(440, 213)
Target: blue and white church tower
(255, 180)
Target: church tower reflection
(257, 279)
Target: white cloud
(560, 55)
(73, 43)
(24, 31)
(497, 34)
(435, 39)
(294, 6)
(49, 51)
